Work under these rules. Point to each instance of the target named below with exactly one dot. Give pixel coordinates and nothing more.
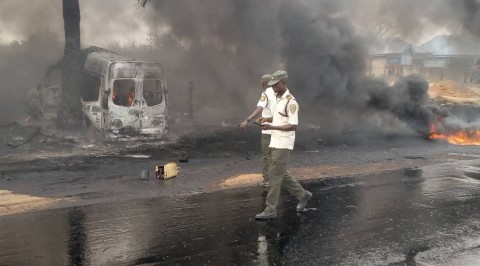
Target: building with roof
(451, 57)
(394, 57)
(442, 58)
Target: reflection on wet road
(419, 216)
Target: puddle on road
(368, 219)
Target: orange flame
(131, 96)
(460, 137)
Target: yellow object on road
(166, 171)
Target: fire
(131, 96)
(460, 137)
(123, 99)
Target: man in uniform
(264, 105)
(283, 125)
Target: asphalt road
(414, 216)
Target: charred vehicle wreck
(123, 98)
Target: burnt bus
(124, 98)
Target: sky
(102, 22)
(123, 21)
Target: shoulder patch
(293, 108)
(263, 98)
(289, 97)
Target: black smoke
(229, 44)
(407, 99)
(225, 46)
(326, 61)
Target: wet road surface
(415, 216)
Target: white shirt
(266, 101)
(285, 111)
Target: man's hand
(243, 124)
(262, 120)
(266, 126)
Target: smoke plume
(225, 46)
(415, 19)
(230, 43)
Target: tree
(380, 28)
(69, 110)
(71, 18)
(69, 113)
(373, 17)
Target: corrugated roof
(446, 45)
(393, 45)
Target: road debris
(145, 174)
(166, 171)
(22, 135)
(183, 157)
